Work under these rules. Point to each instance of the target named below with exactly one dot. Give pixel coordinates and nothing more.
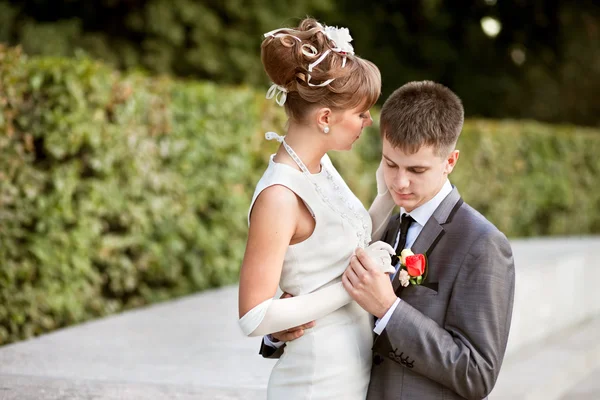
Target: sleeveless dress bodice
(333, 359)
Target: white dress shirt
(421, 215)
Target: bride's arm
(278, 315)
(382, 207)
(268, 239)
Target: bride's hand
(381, 253)
(380, 179)
(292, 333)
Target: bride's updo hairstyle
(340, 81)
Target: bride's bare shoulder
(275, 201)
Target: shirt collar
(422, 213)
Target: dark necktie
(405, 223)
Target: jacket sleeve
(270, 352)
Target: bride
(305, 223)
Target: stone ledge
(555, 287)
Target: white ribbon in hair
(307, 49)
(313, 50)
(314, 64)
(279, 92)
(274, 34)
(339, 36)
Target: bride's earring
(326, 129)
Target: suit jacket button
(377, 359)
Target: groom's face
(414, 179)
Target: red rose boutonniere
(413, 268)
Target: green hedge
(532, 179)
(528, 178)
(116, 190)
(121, 190)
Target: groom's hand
(368, 285)
(292, 333)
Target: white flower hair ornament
(341, 38)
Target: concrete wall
(557, 287)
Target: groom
(444, 338)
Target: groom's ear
(451, 161)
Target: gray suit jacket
(447, 337)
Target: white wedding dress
(333, 359)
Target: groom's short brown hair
(422, 114)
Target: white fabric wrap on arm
(277, 315)
(382, 207)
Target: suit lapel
(432, 232)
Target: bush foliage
(118, 190)
(528, 178)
